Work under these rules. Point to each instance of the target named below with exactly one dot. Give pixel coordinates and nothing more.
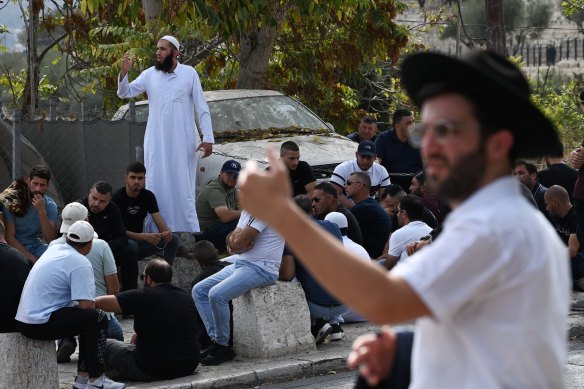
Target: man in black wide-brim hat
(491, 294)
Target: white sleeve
(396, 245)
(83, 284)
(127, 90)
(339, 175)
(202, 111)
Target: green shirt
(215, 194)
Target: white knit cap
(172, 40)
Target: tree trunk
(33, 66)
(152, 10)
(256, 50)
(495, 27)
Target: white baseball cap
(81, 231)
(172, 40)
(71, 213)
(338, 218)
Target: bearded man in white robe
(175, 96)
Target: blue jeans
(145, 249)
(114, 329)
(330, 314)
(36, 249)
(212, 295)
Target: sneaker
(105, 383)
(337, 333)
(578, 306)
(80, 382)
(579, 285)
(208, 350)
(323, 333)
(65, 348)
(218, 355)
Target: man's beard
(165, 65)
(464, 177)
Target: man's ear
(499, 145)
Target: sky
(11, 17)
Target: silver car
(246, 121)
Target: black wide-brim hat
(493, 80)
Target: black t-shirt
(15, 267)
(301, 177)
(165, 321)
(108, 225)
(566, 225)
(375, 225)
(135, 210)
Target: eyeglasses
(317, 199)
(349, 182)
(442, 129)
(142, 276)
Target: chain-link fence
(78, 153)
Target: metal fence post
(81, 105)
(16, 145)
(132, 111)
(53, 108)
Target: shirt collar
(507, 186)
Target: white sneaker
(80, 382)
(105, 383)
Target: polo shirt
(377, 173)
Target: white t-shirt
(102, 261)
(405, 235)
(268, 248)
(497, 282)
(356, 248)
(377, 173)
(60, 276)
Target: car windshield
(262, 113)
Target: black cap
(366, 147)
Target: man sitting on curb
(208, 257)
(165, 343)
(217, 206)
(324, 308)
(31, 215)
(136, 203)
(412, 229)
(257, 252)
(63, 276)
(105, 275)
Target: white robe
(170, 140)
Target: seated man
(412, 229)
(564, 220)
(14, 263)
(106, 219)
(349, 315)
(217, 206)
(324, 308)
(374, 222)
(257, 252)
(325, 199)
(60, 277)
(431, 201)
(208, 257)
(135, 203)
(165, 344)
(364, 162)
(390, 199)
(301, 174)
(526, 173)
(105, 275)
(367, 130)
(30, 214)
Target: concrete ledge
(272, 321)
(27, 363)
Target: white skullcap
(172, 40)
